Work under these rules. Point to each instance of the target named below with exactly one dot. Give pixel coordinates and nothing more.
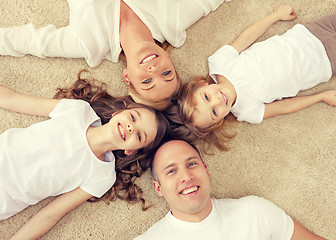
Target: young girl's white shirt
(248, 218)
(51, 158)
(93, 31)
(270, 70)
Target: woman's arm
(21, 103)
(256, 30)
(48, 216)
(295, 104)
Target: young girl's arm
(256, 30)
(21, 103)
(294, 104)
(48, 216)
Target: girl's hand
(329, 97)
(285, 13)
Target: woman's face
(133, 129)
(151, 73)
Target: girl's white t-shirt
(53, 157)
(270, 70)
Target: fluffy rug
(290, 160)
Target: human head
(181, 116)
(182, 178)
(151, 76)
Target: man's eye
(206, 97)
(132, 117)
(170, 171)
(166, 73)
(139, 137)
(147, 80)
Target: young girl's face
(151, 73)
(133, 128)
(213, 103)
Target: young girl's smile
(213, 103)
(133, 129)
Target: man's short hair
(164, 142)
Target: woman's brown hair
(128, 167)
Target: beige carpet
(290, 160)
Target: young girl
(253, 80)
(101, 29)
(71, 153)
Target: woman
(102, 29)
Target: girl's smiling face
(213, 103)
(133, 129)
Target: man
(182, 178)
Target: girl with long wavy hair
(93, 147)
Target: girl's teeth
(122, 132)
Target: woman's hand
(329, 97)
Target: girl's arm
(256, 30)
(48, 216)
(295, 104)
(21, 103)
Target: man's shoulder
(156, 231)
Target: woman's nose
(152, 68)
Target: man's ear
(125, 75)
(157, 188)
(130, 152)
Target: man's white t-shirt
(271, 70)
(52, 157)
(248, 218)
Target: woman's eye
(206, 97)
(170, 171)
(191, 164)
(147, 80)
(139, 137)
(132, 117)
(214, 112)
(166, 73)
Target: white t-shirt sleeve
(279, 224)
(67, 105)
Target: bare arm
(301, 233)
(295, 104)
(21, 103)
(256, 30)
(48, 216)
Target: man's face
(183, 180)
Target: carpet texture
(289, 160)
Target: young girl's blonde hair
(180, 115)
